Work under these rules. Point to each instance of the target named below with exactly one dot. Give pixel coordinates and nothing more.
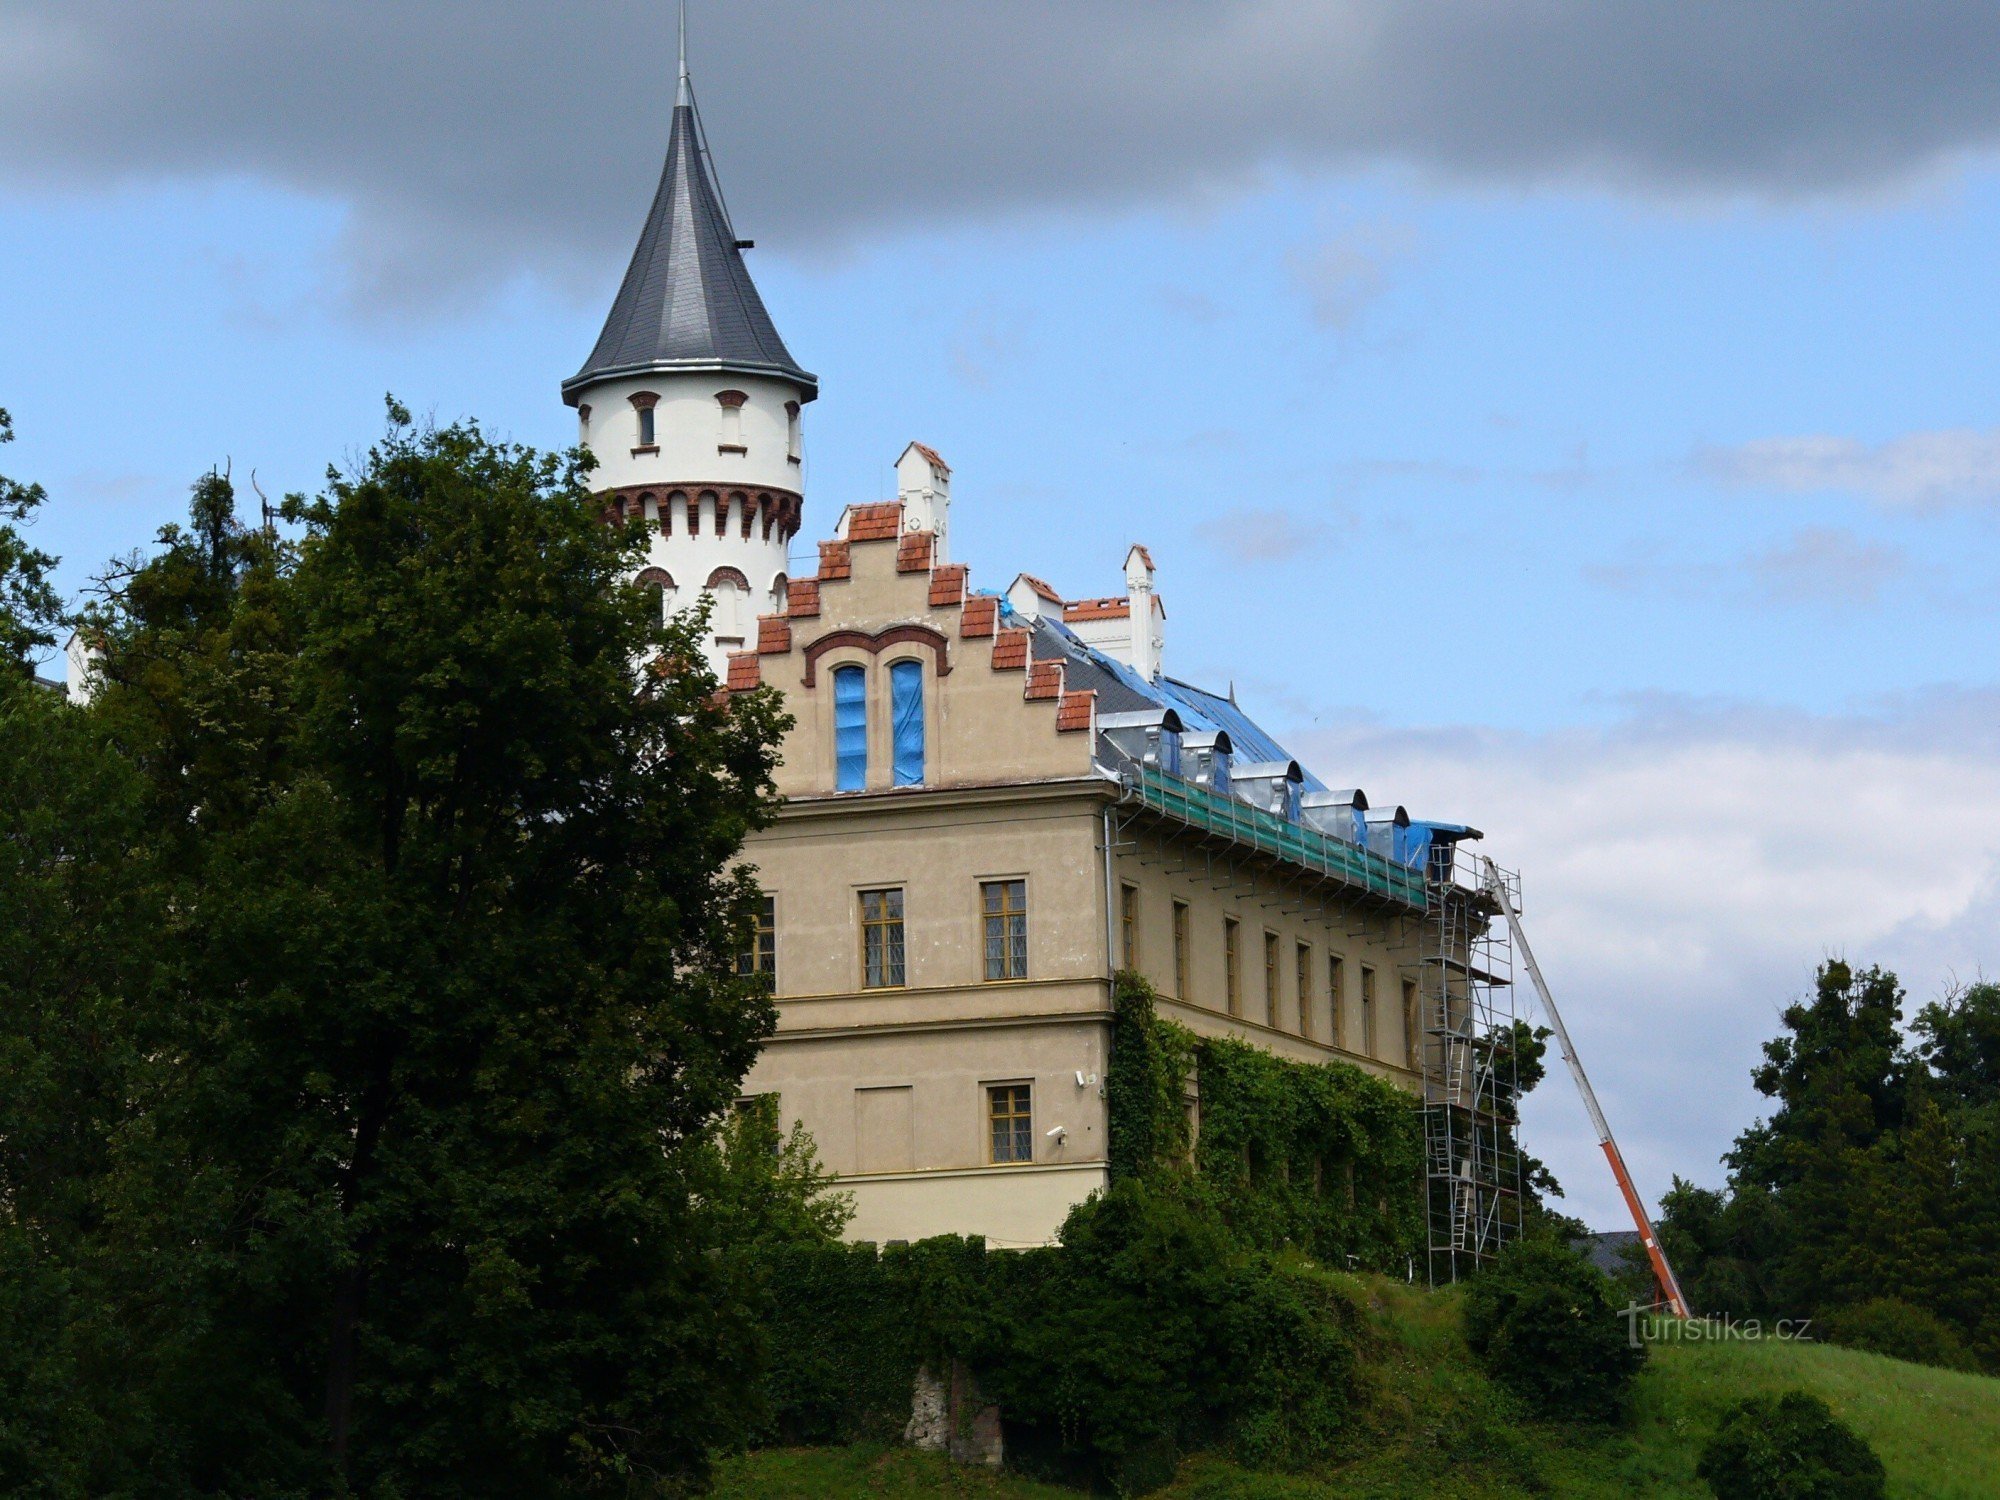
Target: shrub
(1888, 1325)
(1543, 1322)
(1789, 1447)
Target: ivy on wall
(1322, 1157)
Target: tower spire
(683, 94)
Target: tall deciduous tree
(30, 609)
(415, 1192)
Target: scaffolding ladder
(1465, 990)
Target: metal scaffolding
(1472, 1153)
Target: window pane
(906, 718)
(1011, 1123)
(850, 729)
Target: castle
(995, 799)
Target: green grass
(1433, 1426)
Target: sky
(1577, 421)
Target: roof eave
(807, 384)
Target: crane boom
(1662, 1272)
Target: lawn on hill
(1434, 1426)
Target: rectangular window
(1232, 965)
(761, 957)
(1271, 980)
(1128, 925)
(1180, 950)
(1010, 1123)
(1336, 999)
(882, 940)
(906, 719)
(1305, 958)
(1413, 1031)
(645, 427)
(1367, 1010)
(850, 729)
(1004, 907)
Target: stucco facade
(896, 1081)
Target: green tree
(416, 1196)
(30, 609)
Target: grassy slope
(1435, 1427)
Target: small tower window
(643, 403)
(850, 729)
(794, 442)
(583, 423)
(731, 438)
(906, 718)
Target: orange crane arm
(1663, 1273)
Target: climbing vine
(1325, 1158)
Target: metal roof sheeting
(687, 301)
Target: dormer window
(730, 439)
(643, 403)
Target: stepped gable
(948, 588)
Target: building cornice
(887, 800)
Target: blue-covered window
(850, 729)
(906, 717)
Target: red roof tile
(1045, 679)
(932, 455)
(1098, 609)
(1010, 651)
(802, 599)
(875, 523)
(947, 584)
(980, 612)
(774, 636)
(834, 562)
(1073, 710)
(913, 553)
(1041, 588)
(744, 673)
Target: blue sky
(1651, 528)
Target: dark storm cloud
(472, 140)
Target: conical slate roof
(687, 301)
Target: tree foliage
(403, 878)
(1545, 1323)
(1790, 1447)
(1873, 1177)
(30, 609)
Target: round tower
(690, 403)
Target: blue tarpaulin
(850, 729)
(906, 717)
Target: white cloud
(1920, 471)
(1685, 869)
(1342, 276)
(1817, 565)
(1255, 536)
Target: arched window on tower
(781, 594)
(794, 439)
(660, 584)
(906, 722)
(729, 619)
(850, 729)
(643, 403)
(583, 423)
(731, 439)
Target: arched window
(794, 443)
(850, 729)
(906, 719)
(781, 594)
(731, 592)
(660, 583)
(583, 423)
(643, 403)
(731, 439)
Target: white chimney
(923, 484)
(1147, 617)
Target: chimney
(1147, 617)
(923, 484)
